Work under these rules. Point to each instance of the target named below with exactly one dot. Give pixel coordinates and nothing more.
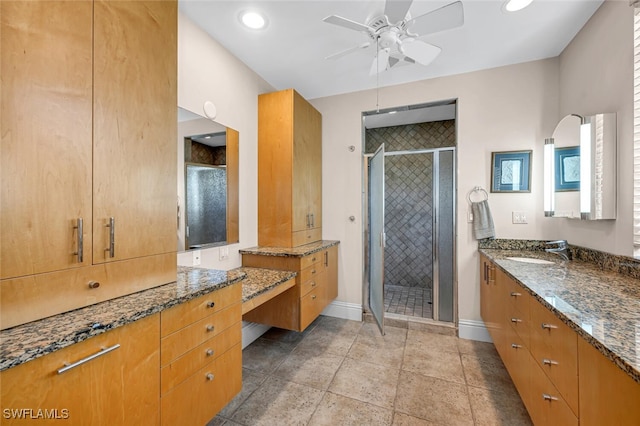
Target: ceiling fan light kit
(398, 36)
(516, 5)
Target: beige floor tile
(340, 410)
(432, 340)
(285, 336)
(401, 419)
(366, 382)
(373, 347)
(486, 372)
(492, 407)
(250, 382)
(473, 347)
(279, 402)
(315, 370)
(433, 399)
(331, 335)
(432, 328)
(264, 356)
(433, 362)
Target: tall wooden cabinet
(289, 170)
(88, 152)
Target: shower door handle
(383, 239)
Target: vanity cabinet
(118, 387)
(289, 170)
(88, 153)
(201, 356)
(316, 286)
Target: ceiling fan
(397, 35)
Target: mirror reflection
(566, 138)
(208, 188)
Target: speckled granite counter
(262, 285)
(299, 251)
(35, 339)
(601, 305)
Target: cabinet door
(331, 271)
(134, 157)
(120, 387)
(46, 134)
(307, 166)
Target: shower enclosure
(418, 213)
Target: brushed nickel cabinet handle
(548, 397)
(549, 362)
(313, 283)
(94, 284)
(68, 367)
(313, 220)
(326, 258)
(210, 327)
(313, 272)
(210, 376)
(112, 237)
(548, 326)
(210, 352)
(313, 297)
(516, 320)
(80, 240)
(308, 221)
(515, 294)
(211, 304)
(515, 346)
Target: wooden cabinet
(289, 170)
(316, 286)
(88, 132)
(201, 356)
(121, 386)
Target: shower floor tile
(410, 301)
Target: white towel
(482, 220)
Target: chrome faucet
(561, 249)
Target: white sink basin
(531, 260)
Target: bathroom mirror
(207, 182)
(580, 168)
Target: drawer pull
(549, 362)
(515, 294)
(313, 297)
(94, 284)
(516, 320)
(547, 397)
(210, 352)
(68, 367)
(313, 259)
(515, 346)
(210, 376)
(210, 327)
(80, 239)
(313, 283)
(211, 304)
(313, 271)
(548, 326)
(112, 237)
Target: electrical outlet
(196, 257)
(224, 253)
(518, 217)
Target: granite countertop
(32, 340)
(602, 306)
(260, 281)
(299, 251)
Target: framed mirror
(208, 184)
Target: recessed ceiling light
(515, 5)
(253, 20)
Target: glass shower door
(376, 236)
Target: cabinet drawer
(311, 305)
(184, 340)
(300, 238)
(179, 316)
(518, 362)
(196, 400)
(548, 407)
(315, 280)
(312, 259)
(554, 347)
(518, 316)
(519, 298)
(183, 367)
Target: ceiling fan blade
(421, 52)
(396, 10)
(349, 50)
(346, 23)
(380, 62)
(444, 18)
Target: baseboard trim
(251, 331)
(473, 330)
(344, 310)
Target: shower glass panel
(376, 236)
(445, 231)
(206, 204)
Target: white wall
(596, 76)
(208, 72)
(502, 109)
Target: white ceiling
(290, 51)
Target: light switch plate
(196, 257)
(518, 217)
(224, 253)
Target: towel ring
(477, 189)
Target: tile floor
(409, 301)
(340, 372)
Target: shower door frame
(435, 196)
